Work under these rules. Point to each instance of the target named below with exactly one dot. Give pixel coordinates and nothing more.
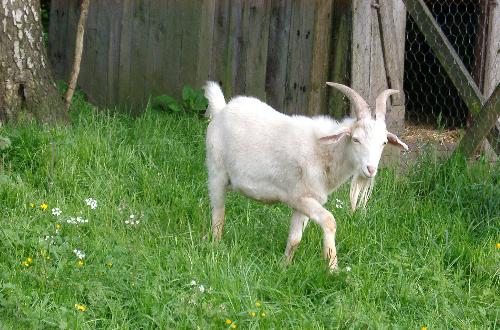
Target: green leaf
(166, 103)
(187, 93)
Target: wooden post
(393, 61)
(483, 123)
(78, 52)
(492, 65)
(390, 50)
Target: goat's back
(264, 153)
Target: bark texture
(26, 82)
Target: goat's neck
(339, 166)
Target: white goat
(296, 160)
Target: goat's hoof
(286, 261)
(333, 268)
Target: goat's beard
(361, 189)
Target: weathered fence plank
(124, 83)
(340, 68)
(219, 49)
(138, 59)
(206, 38)
(492, 66)
(278, 50)
(256, 29)
(299, 59)
(377, 71)
(57, 54)
(100, 82)
(390, 50)
(392, 37)
(277, 59)
(113, 60)
(171, 46)
(154, 59)
(321, 36)
(361, 48)
(196, 35)
(235, 74)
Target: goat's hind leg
(217, 185)
(298, 224)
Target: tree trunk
(27, 85)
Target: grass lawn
(423, 253)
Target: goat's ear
(334, 138)
(395, 141)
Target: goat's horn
(361, 107)
(381, 103)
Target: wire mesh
(434, 106)
(432, 98)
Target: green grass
(422, 254)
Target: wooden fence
(282, 51)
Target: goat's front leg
(297, 226)
(314, 210)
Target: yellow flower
(80, 308)
(234, 326)
(32, 205)
(228, 321)
(252, 314)
(58, 226)
(25, 264)
(498, 245)
(44, 206)
(258, 304)
(29, 260)
(263, 314)
(80, 263)
(109, 264)
(423, 328)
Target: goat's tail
(216, 101)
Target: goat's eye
(355, 140)
(385, 142)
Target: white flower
(201, 288)
(193, 282)
(56, 211)
(131, 220)
(91, 202)
(76, 220)
(348, 269)
(79, 254)
(49, 239)
(338, 203)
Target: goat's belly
(268, 194)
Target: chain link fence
(435, 110)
